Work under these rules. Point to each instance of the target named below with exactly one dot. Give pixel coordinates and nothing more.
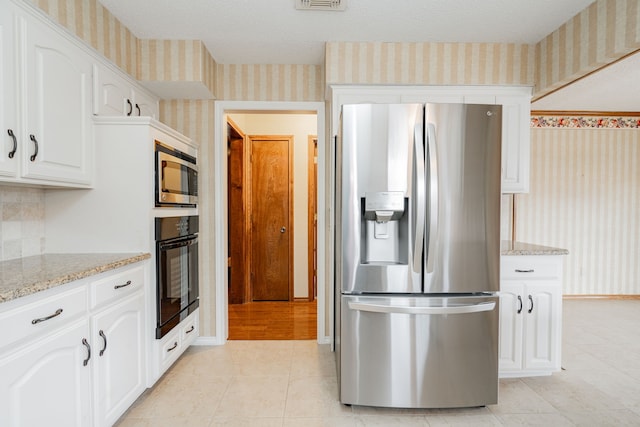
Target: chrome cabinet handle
(35, 143)
(531, 307)
(104, 337)
(130, 107)
(520, 304)
(173, 347)
(86, 344)
(123, 285)
(524, 271)
(190, 330)
(42, 319)
(15, 143)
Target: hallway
(273, 321)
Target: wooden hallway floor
(273, 321)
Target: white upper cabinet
(116, 95)
(516, 110)
(47, 79)
(8, 118)
(516, 116)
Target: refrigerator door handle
(458, 309)
(433, 195)
(420, 202)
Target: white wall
(300, 126)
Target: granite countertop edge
(25, 276)
(508, 247)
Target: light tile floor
(293, 383)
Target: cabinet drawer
(42, 316)
(530, 267)
(170, 349)
(116, 285)
(190, 330)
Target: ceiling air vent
(336, 5)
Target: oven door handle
(175, 245)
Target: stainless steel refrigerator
(417, 254)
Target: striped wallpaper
(176, 60)
(270, 82)
(90, 21)
(600, 34)
(429, 63)
(585, 197)
(195, 118)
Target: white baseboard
(207, 341)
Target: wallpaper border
(585, 122)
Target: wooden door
(238, 285)
(271, 218)
(312, 221)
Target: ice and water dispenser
(384, 228)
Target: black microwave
(176, 177)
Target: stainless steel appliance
(176, 177)
(177, 271)
(417, 254)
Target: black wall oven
(176, 270)
(176, 177)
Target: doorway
(261, 253)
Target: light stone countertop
(507, 247)
(25, 276)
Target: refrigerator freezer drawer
(419, 352)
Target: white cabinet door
(117, 96)
(8, 118)
(516, 112)
(542, 326)
(511, 326)
(111, 93)
(58, 114)
(48, 383)
(144, 105)
(119, 344)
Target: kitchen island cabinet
(76, 353)
(530, 315)
(46, 109)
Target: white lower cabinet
(83, 362)
(48, 383)
(119, 350)
(530, 316)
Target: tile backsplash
(22, 214)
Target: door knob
(283, 229)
